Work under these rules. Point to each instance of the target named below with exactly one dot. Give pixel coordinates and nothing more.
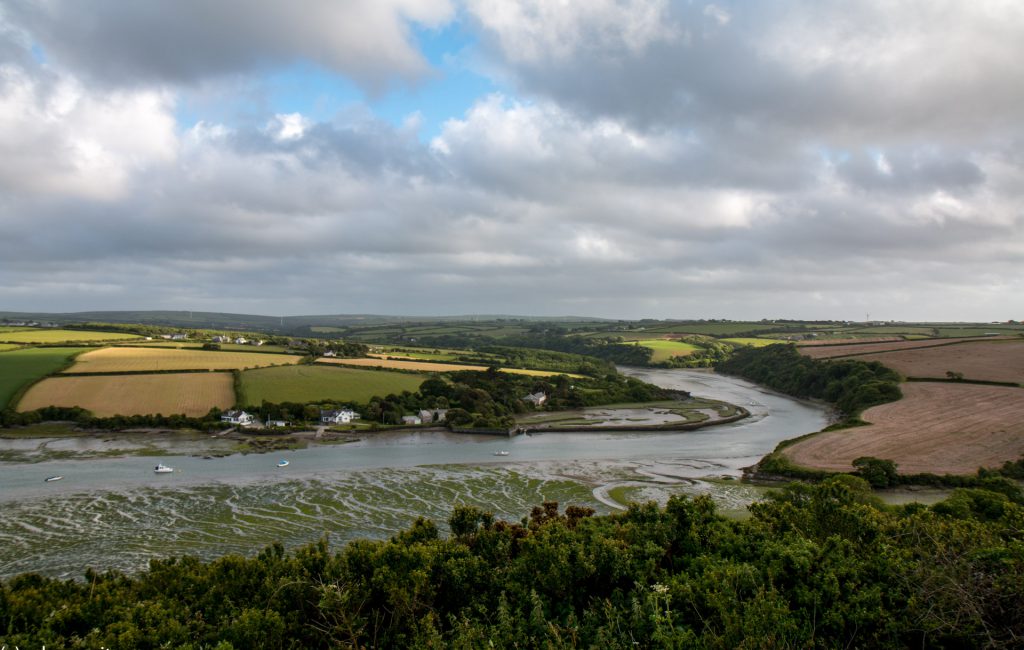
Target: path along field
(21, 367)
(936, 427)
(127, 359)
(320, 382)
(426, 366)
(983, 360)
(193, 394)
(63, 336)
(830, 351)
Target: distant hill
(278, 324)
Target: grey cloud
(150, 41)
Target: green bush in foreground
(820, 566)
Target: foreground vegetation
(815, 566)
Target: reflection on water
(115, 513)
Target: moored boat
(503, 452)
(163, 469)
(51, 479)
(282, 463)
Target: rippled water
(116, 513)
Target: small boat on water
(163, 469)
(282, 463)
(503, 452)
(51, 479)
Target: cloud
(187, 41)
(658, 159)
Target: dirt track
(937, 427)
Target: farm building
(277, 423)
(537, 399)
(411, 419)
(433, 415)
(338, 416)
(237, 417)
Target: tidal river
(116, 513)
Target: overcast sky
(617, 158)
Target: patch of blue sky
(446, 91)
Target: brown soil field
(988, 360)
(428, 366)
(830, 351)
(193, 394)
(812, 344)
(937, 427)
(127, 359)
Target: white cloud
(61, 137)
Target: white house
(330, 353)
(241, 340)
(221, 339)
(411, 419)
(339, 416)
(433, 415)
(179, 337)
(237, 417)
(537, 399)
(277, 423)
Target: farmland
(427, 366)
(315, 383)
(832, 351)
(665, 349)
(753, 342)
(21, 367)
(62, 336)
(979, 360)
(936, 427)
(132, 359)
(192, 394)
(8, 346)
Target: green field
(756, 343)
(8, 346)
(947, 332)
(21, 367)
(62, 336)
(665, 349)
(9, 328)
(895, 329)
(314, 383)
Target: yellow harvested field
(193, 394)
(125, 359)
(428, 366)
(937, 427)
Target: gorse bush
(816, 566)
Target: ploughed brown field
(989, 361)
(937, 427)
(830, 351)
(818, 343)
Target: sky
(815, 159)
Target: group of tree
(849, 384)
(814, 566)
(476, 399)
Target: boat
(282, 463)
(503, 452)
(51, 479)
(163, 469)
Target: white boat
(282, 463)
(51, 479)
(163, 469)
(503, 452)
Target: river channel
(116, 513)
